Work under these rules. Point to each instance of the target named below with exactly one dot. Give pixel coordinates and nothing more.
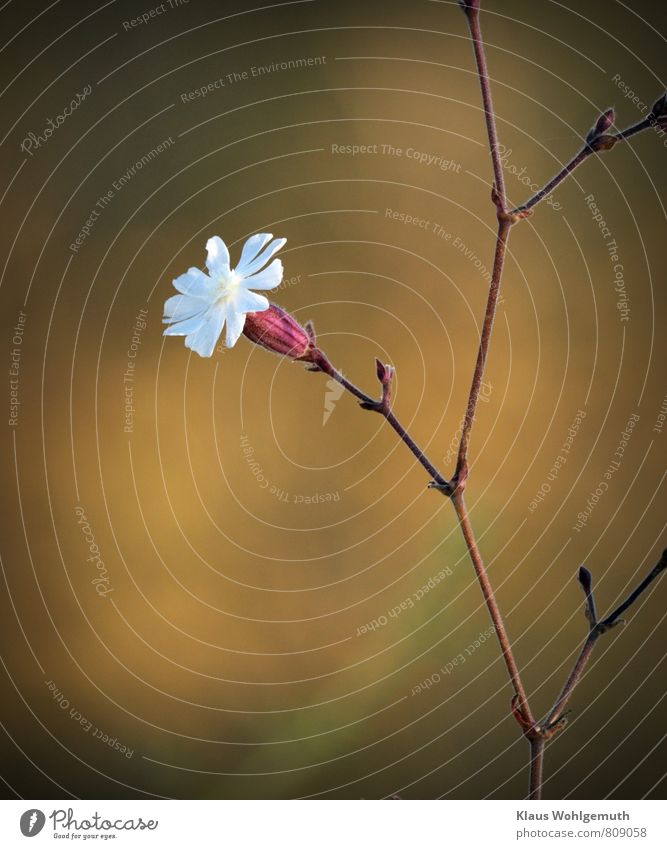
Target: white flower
(207, 301)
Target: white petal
(194, 282)
(183, 328)
(217, 260)
(247, 268)
(180, 307)
(267, 279)
(245, 301)
(203, 340)
(252, 247)
(235, 322)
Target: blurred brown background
(230, 654)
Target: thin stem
(645, 124)
(490, 599)
(596, 146)
(536, 764)
(504, 226)
(441, 482)
(596, 631)
(472, 16)
(573, 679)
(615, 615)
(565, 171)
(416, 450)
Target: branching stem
(598, 140)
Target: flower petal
(194, 282)
(252, 247)
(235, 322)
(183, 328)
(217, 260)
(180, 307)
(245, 269)
(203, 339)
(269, 278)
(246, 301)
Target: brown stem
(596, 141)
(490, 599)
(565, 171)
(536, 763)
(504, 226)
(645, 124)
(573, 679)
(596, 631)
(595, 145)
(472, 15)
(384, 408)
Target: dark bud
(603, 123)
(659, 108)
(585, 579)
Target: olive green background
(230, 656)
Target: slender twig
(471, 9)
(383, 406)
(565, 171)
(597, 140)
(492, 605)
(596, 631)
(556, 720)
(504, 225)
(536, 765)
(594, 144)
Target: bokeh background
(255, 528)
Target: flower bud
(602, 124)
(659, 108)
(277, 331)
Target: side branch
(385, 374)
(598, 140)
(596, 630)
(471, 9)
